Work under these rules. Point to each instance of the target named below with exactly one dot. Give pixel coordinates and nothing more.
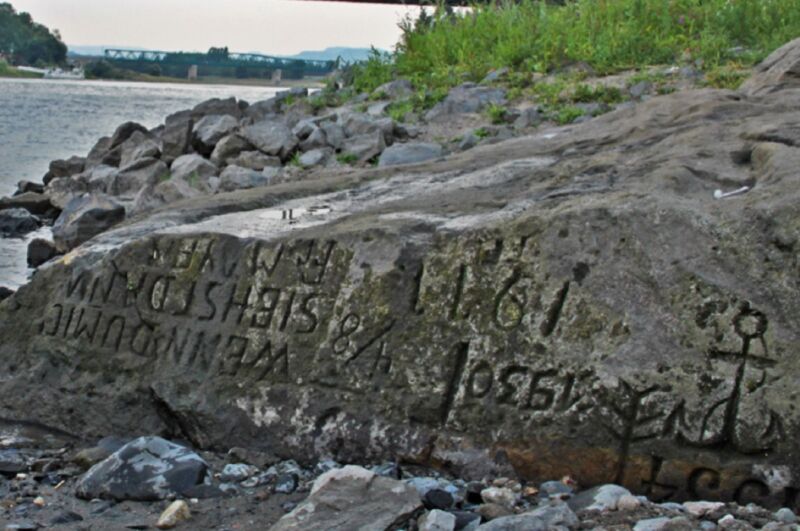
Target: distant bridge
(222, 64)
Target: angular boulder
(63, 190)
(315, 157)
(364, 147)
(65, 168)
(84, 217)
(124, 132)
(541, 519)
(127, 182)
(33, 202)
(193, 168)
(466, 98)
(138, 146)
(399, 88)
(40, 251)
(255, 160)
(98, 153)
(229, 147)
(410, 153)
(239, 178)
(176, 139)
(334, 135)
(17, 222)
(210, 129)
(218, 106)
(352, 498)
(272, 138)
(145, 469)
(779, 71)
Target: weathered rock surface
(239, 178)
(410, 153)
(468, 98)
(273, 138)
(193, 167)
(176, 138)
(210, 129)
(352, 498)
(84, 217)
(574, 302)
(33, 202)
(147, 468)
(130, 179)
(40, 251)
(17, 222)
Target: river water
(43, 120)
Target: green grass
(347, 158)
(481, 132)
(7, 70)
(444, 49)
(728, 76)
(567, 114)
(496, 113)
(398, 110)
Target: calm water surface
(42, 120)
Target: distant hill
(329, 54)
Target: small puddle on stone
(293, 215)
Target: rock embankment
(151, 483)
(611, 301)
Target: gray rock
(17, 222)
(65, 168)
(378, 109)
(348, 498)
(294, 92)
(40, 251)
(315, 157)
(410, 153)
(255, 160)
(229, 147)
(272, 138)
(123, 133)
(176, 139)
(261, 110)
(22, 525)
(33, 202)
(315, 140)
(170, 191)
(601, 498)
(437, 520)
(785, 515)
(555, 488)
(237, 472)
(469, 141)
(193, 167)
(218, 106)
(541, 519)
(495, 75)
(640, 89)
(85, 217)
(138, 146)
(529, 117)
(61, 191)
(5, 293)
(129, 180)
(399, 88)
(286, 483)
(304, 128)
(238, 178)
(334, 135)
(779, 71)
(466, 98)
(652, 524)
(28, 186)
(97, 153)
(210, 129)
(145, 469)
(99, 178)
(365, 147)
(357, 124)
(12, 462)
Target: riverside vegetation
(517, 307)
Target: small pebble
(786, 516)
(38, 501)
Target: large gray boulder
(255, 160)
(124, 132)
(397, 89)
(145, 469)
(218, 106)
(65, 168)
(40, 251)
(63, 190)
(410, 153)
(168, 191)
(466, 98)
(547, 518)
(239, 178)
(98, 153)
(272, 138)
(84, 217)
(99, 178)
(210, 129)
(33, 202)
(229, 147)
(358, 124)
(176, 138)
(353, 498)
(315, 157)
(779, 71)
(262, 110)
(334, 134)
(316, 139)
(193, 168)
(364, 147)
(17, 222)
(577, 303)
(127, 182)
(138, 146)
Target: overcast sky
(269, 26)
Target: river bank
(495, 288)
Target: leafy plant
(496, 113)
(568, 114)
(399, 109)
(347, 158)
(481, 132)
